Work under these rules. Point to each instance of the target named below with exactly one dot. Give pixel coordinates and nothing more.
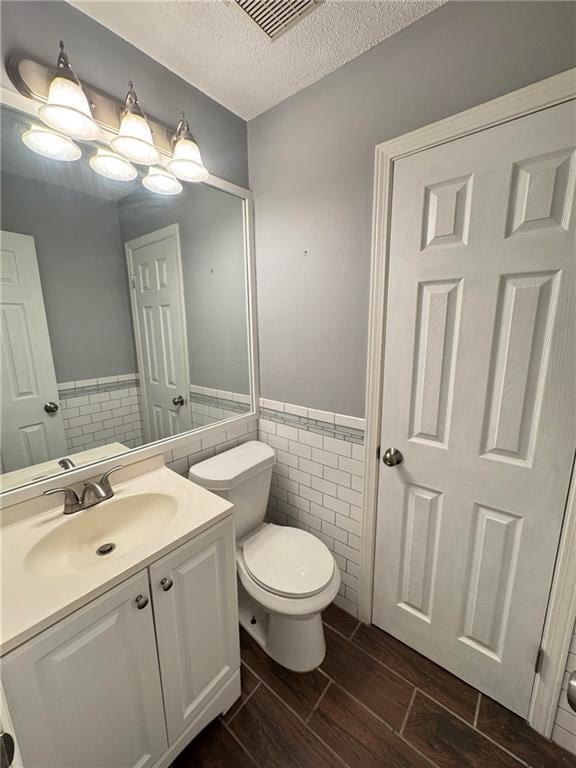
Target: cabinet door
(196, 623)
(87, 692)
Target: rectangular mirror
(125, 316)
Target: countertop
(33, 601)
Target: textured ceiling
(215, 46)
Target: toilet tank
(241, 475)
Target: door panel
(95, 674)
(159, 318)
(479, 397)
(30, 435)
(197, 623)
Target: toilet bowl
(286, 576)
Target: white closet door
(480, 398)
(30, 435)
(159, 316)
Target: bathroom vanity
(119, 659)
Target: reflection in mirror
(124, 312)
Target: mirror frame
(13, 100)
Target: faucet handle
(72, 502)
(105, 480)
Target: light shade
(112, 166)
(161, 181)
(134, 140)
(49, 144)
(186, 161)
(67, 109)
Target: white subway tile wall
(211, 405)
(101, 411)
(318, 480)
(564, 731)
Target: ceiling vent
(275, 16)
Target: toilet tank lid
(224, 471)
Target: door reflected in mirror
(124, 312)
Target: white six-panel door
(159, 316)
(480, 398)
(30, 435)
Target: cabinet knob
(166, 584)
(141, 601)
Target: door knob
(392, 457)
(166, 584)
(178, 400)
(51, 407)
(141, 601)
(571, 694)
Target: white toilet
(286, 576)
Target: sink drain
(105, 549)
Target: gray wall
(212, 246)
(82, 272)
(106, 61)
(311, 168)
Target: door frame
(561, 614)
(174, 230)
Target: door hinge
(133, 281)
(539, 660)
(378, 453)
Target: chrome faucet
(92, 493)
(66, 463)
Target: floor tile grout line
(477, 712)
(246, 700)
(278, 696)
(410, 682)
(476, 730)
(315, 707)
(364, 706)
(358, 623)
(408, 710)
(338, 632)
(240, 744)
(314, 734)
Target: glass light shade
(161, 181)
(134, 140)
(67, 110)
(112, 166)
(49, 144)
(186, 161)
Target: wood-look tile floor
(374, 703)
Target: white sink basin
(126, 523)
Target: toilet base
(295, 642)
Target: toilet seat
(287, 561)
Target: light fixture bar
(32, 79)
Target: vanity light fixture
(186, 163)
(50, 144)
(112, 166)
(161, 181)
(67, 109)
(134, 140)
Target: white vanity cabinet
(195, 605)
(87, 691)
